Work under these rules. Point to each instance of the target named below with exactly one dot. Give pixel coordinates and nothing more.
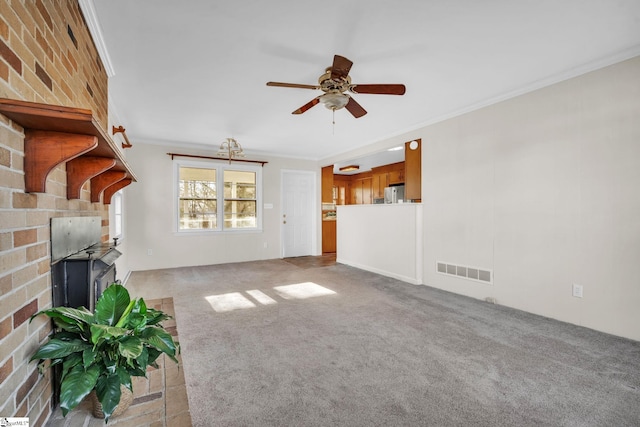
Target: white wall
(544, 189)
(149, 214)
(384, 239)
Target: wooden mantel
(56, 135)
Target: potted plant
(101, 351)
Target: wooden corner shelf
(55, 135)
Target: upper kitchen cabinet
(380, 181)
(342, 188)
(413, 170)
(396, 173)
(361, 189)
(384, 176)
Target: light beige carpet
(271, 344)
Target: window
(116, 226)
(117, 213)
(198, 202)
(205, 205)
(239, 199)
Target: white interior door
(298, 213)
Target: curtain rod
(262, 163)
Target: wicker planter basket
(125, 401)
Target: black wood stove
(81, 266)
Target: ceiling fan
(335, 82)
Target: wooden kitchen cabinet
(384, 176)
(380, 181)
(367, 193)
(396, 173)
(396, 177)
(342, 185)
(329, 239)
(356, 193)
(362, 190)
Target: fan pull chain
(333, 119)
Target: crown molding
(90, 17)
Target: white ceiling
(194, 72)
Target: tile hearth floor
(160, 400)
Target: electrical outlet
(149, 252)
(577, 290)
(266, 245)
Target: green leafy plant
(103, 350)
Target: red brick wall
(47, 55)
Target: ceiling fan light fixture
(334, 100)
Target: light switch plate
(577, 290)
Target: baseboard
(408, 279)
(126, 277)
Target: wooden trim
(413, 171)
(81, 169)
(215, 158)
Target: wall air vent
(464, 271)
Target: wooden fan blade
(340, 68)
(379, 89)
(307, 106)
(293, 85)
(355, 109)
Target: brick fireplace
(48, 56)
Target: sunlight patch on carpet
(238, 301)
(261, 297)
(229, 302)
(302, 291)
